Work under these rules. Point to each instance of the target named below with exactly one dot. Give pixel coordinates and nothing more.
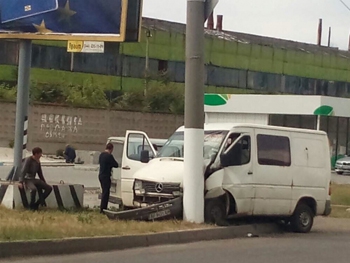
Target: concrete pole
(25, 58)
(194, 114)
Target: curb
(100, 244)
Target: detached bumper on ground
(169, 209)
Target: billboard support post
(22, 104)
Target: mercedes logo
(159, 187)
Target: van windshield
(174, 147)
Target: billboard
(91, 20)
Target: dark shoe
(34, 207)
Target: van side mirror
(225, 160)
(144, 156)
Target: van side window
(240, 152)
(136, 144)
(118, 151)
(273, 150)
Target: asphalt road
(341, 179)
(323, 245)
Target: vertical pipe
(329, 36)
(193, 181)
(219, 22)
(72, 61)
(319, 35)
(210, 24)
(337, 140)
(347, 135)
(148, 34)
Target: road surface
(329, 242)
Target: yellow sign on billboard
(86, 46)
(75, 46)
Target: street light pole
(193, 200)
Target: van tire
(340, 173)
(302, 219)
(215, 212)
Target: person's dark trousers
(43, 189)
(105, 182)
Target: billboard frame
(83, 36)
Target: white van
(249, 169)
(122, 177)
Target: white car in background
(342, 165)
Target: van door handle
(250, 172)
(126, 168)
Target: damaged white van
(249, 170)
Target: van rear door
(135, 142)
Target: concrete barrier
(63, 196)
(89, 157)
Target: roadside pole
(193, 200)
(24, 65)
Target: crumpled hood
(162, 170)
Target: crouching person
(27, 179)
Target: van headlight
(138, 185)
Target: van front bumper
(142, 199)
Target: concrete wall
(51, 127)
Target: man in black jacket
(107, 162)
(30, 168)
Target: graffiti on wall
(59, 126)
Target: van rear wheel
(302, 219)
(215, 212)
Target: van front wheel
(302, 219)
(215, 212)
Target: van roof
(153, 140)
(229, 126)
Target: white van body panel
(312, 169)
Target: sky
(287, 19)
